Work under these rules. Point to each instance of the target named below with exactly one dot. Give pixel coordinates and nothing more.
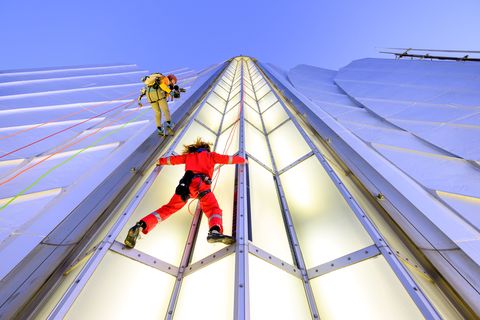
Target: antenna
(406, 52)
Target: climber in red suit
(199, 164)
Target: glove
(140, 104)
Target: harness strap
(203, 194)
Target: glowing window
(104, 294)
(287, 145)
(275, 294)
(210, 117)
(273, 116)
(196, 301)
(256, 145)
(266, 101)
(267, 219)
(325, 225)
(370, 289)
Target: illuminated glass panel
(216, 101)
(252, 116)
(208, 293)
(249, 92)
(325, 225)
(267, 220)
(167, 240)
(366, 290)
(275, 294)
(287, 145)
(221, 92)
(121, 288)
(266, 101)
(274, 116)
(251, 102)
(228, 141)
(259, 84)
(223, 188)
(262, 90)
(233, 102)
(210, 117)
(256, 145)
(231, 116)
(195, 130)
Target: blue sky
(160, 35)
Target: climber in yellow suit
(158, 89)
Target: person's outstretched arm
(171, 160)
(226, 159)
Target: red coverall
(200, 163)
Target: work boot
(161, 131)
(133, 234)
(216, 236)
(169, 127)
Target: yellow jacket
(156, 94)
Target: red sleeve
(225, 159)
(172, 160)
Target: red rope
(66, 116)
(63, 130)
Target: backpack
(153, 80)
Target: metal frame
(144, 258)
(81, 279)
(277, 262)
(294, 245)
(407, 281)
(345, 261)
(242, 301)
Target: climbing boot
(216, 236)
(161, 131)
(133, 234)
(169, 128)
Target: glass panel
(195, 301)
(223, 188)
(325, 225)
(233, 101)
(104, 296)
(370, 289)
(251, 102)
(287, 145)
(274, 116)
(195, 130)
(266, 101)
(252, 116)
(263, 90)
(256, 145)
(222, 92)
(225, 84)
(231, 116)
(249, 91)
(259, 83)
(228, 141)
(275, 294)
(235, 90)
(167, 240)
(267, 219)
(216, 101)
(210, 117)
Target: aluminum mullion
(242, 299)
(254, 126)
(187, 254)
(214, 257)
(144, 258)
(405, 278)
(219, 131)
(279, 125)
(293, 241)
(267, 108)
(345, 261)
(68, 298)
(277, 262)
(219, 96)
(205, 126)
(296, 162)
(260, 163)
